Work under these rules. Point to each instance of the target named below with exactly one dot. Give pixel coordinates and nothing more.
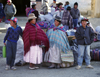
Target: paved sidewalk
(23, 71)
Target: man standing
(75, 14)
(10, 9)
(85, 37)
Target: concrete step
(24, 18)
(3, 30)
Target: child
(85, 37)
(12, 37)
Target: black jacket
(84, 36)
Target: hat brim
(32, 18)
(14, 21)
(84, 20)
(57, 19)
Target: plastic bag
(4, 51)
(7, 26)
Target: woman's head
(57, 21)
(33, 21)
(9, 2)
(32, 18)
(60, 5)
(34, 5)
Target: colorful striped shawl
(58, 37)
(61, 27)
(29, 10)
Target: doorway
(21, 6)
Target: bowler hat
(58, 18)
(31, 16)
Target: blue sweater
(13, 34)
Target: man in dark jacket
(85, 37)
(75, 14)
(10, 9)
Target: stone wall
(95, 7)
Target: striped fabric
(34, 35)
(43, 25)
(58, 37)
(29, 10)
(67, 19)
(61, 27)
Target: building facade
(84, 6)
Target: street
(23, 71)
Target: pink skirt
(34, 55)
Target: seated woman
(34, 39)
(58, 43)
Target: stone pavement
(23, 71)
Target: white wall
(97, 9)
(84, 5)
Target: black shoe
(51, 67)
(58, 67)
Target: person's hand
(4, 43)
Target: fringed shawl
(58, 37)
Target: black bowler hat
(75, 3)
(58, 18)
